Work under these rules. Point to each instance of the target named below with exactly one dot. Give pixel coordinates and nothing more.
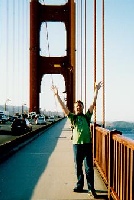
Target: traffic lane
(21, 172)
(6, 134)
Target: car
(51, 119)
(20, 126)
(3, 118)
(12, 118)
(32, 115)
(40, 120)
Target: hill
(120, 125)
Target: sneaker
(78, 189)
(92, 193)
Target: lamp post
(6, 104)
(23, 107)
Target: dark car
(20, 126)
(12, 118)
(3, 118)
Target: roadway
(5, 131)
(44, 169)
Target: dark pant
(83, 152)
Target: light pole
(23, 107)
(6, 104)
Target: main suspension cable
(49, 56)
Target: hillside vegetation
(121, 125)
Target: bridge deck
(44, 170)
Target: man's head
(78, 107)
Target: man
(82, 144)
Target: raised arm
(97, 87)
(63, 106)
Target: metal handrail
(114, 158)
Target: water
(129, 134)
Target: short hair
(78, 101)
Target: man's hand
(99, 85)
(55, 90)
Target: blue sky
(119, 59)
(119, 48)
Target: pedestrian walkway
(58, 179)
(44, 169)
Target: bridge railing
(114, 158)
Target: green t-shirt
(81, 130)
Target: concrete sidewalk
(58, 179)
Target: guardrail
(114, 158)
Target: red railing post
(93, 140)
(111, 168)
(109, 163)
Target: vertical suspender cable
(103, 64)
(85, 54)
(49, 56)
(18, 47)
(78, 52)
(27, 9)
(94, 54)
(13, 49)
(22, 54)
(7, 37)
(81, 49)
(48, 50)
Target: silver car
(51, 119)
(40, 120)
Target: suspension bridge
(44, 44)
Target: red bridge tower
(40, 65)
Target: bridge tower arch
(40, 65)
